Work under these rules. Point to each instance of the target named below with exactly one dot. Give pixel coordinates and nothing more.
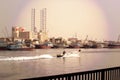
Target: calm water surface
(90, 59)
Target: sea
(15, 65)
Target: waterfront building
(25, 35)
(42, 37)
(15, 32)
(72, 39)
(19, 33)
(58, 42)
(74, 43)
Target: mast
(118, 38)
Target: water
(26, 64)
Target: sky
(99, 19)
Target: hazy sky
(99, 19)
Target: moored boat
(3, 45)
(44, 46)
(19, 46)
(114, 45)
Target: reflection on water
(89, 59)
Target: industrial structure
(40, 35)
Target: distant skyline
(99, 19)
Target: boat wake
(72, 54)
(45, 56)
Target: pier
(100, 74)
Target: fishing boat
(46, 45)
(19, 46)
(3, 45)
(114, 45)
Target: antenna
(75, 35)
(6, 31)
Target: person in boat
(64, 52)
(79, 50)
(61, 55)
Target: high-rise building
(43, 16)
(33, 27)
(43, 36)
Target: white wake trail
(45, 56)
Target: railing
(101, 74)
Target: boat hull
(59, 55)
(3, 48)
(113, 46)
(21, 49)
(42, 47)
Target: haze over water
(99, 19)
(89, 59)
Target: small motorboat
(60, 55)
(70, 54)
